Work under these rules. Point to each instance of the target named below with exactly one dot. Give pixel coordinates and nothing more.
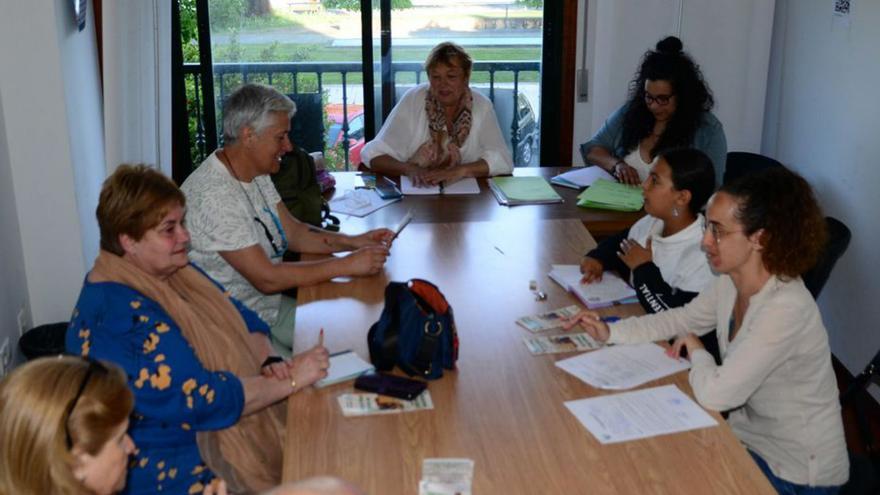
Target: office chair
(864, 470)
(307, 126)
(741, 163)
(839, 236)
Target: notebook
(581, 177)
(512, 191)
(609, 195)
(345, 365)
(612, 289)
(467, 185)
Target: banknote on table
(549, 320)
(368, 404)
(451, 476)
(567, 342)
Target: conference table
(502, 407)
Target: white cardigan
(776, 374)
(407, 128)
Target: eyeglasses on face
(717, 232)
(661, 100)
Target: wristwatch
(271, 360)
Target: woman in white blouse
(776, 378)
(441, 131)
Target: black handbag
(415, 332)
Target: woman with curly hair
(762, 232)
(668, 107)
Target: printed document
(359, 202)
(639, 414)
(621, 367)
(606, 292)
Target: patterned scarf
(461, 125)
(248, 455)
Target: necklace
(276, 248)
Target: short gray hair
(252, 105)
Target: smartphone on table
(391, 385)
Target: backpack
(297, 184)
(415, 332)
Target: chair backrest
(741, 163)
(307, 126)
(838, 240)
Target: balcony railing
(312, 77)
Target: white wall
(729, 40)
(13, 284)
(48, 90)
(823, 120)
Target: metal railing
(292, 77)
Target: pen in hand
(321, 338)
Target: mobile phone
(391, 385)
(386, 188)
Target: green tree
(535, 4)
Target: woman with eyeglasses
(63, 424)
(668, 107)
(241, 229)
(762, 232)
(207, 397)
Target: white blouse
(407, 128)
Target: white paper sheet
(344, 366)
(640, 414)
(464, 186)
(359, 202)
(623, 366)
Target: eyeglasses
(94, 366)
(661, 100)
(275, 247)
(716, 231)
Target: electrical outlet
(5, 357)
(23, 324)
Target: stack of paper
(369, 404)
(639, 414)
(345, 365)
(566, 342)
(549, 320)
(623, 366)
(463, 186)
(611, 289)
(512, 191)
(609, 195)
(581, 177)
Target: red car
(335, 134)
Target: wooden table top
(502, 406)
(484, 207)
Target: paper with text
(640, 414)
(359, 202)
(369, 404)
(565, 342)
(623, 366)
(606, 292)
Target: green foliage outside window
(355, 5)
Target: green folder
(511, 191)
(609, 195)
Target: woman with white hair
(241, 229)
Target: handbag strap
(423, 361)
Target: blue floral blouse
(174, 395)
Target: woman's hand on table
(689, 341)
(633, 254)
(625, 174)
(592, 323)
(367, 260)
(436, 176)
(310, 366)
(592, 270)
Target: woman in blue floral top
(208, 396)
